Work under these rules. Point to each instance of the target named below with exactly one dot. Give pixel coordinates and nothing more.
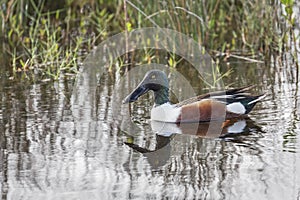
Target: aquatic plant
(46, 39)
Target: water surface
(52, 149)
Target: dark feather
(229, 96)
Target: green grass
(45, 42)
(47, 39)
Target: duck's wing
(219, 95)
(235, 99)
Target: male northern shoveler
(233, 103)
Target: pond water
(47, 153)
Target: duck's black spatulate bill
(135, 94)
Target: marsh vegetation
(44, 39)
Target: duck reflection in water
(228, 130)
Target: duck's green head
(156, 81)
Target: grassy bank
(46, 39)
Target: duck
(213, 106)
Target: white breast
(165, 129)
(165, 113)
